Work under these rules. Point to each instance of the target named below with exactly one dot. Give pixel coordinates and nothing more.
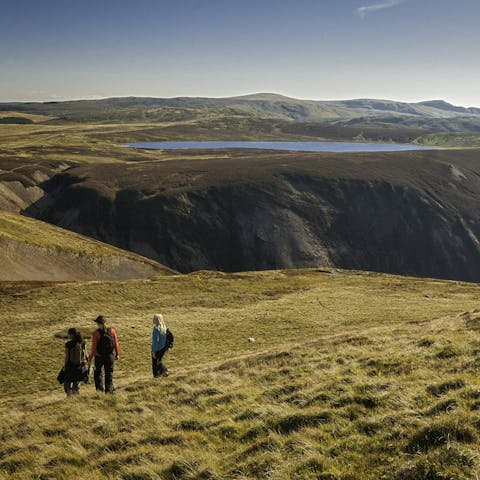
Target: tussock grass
(352, 392)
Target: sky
(406, 50)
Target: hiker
(105, 350)
(75, 362)
(162, 341)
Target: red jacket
(96, 338)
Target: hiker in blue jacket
(162, 341)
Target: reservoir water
(289, 146)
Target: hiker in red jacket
(105, 350)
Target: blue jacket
(158, 340)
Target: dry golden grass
(352, 376)
(35, 118)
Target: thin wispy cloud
(365, 10)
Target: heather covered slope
(34, 250)
(414, 213)
(353, 376)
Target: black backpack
(106, 343)
(169, 340)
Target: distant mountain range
(266, 105)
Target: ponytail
(77, 336)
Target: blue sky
(407, 50)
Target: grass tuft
(444, 387)
(440, 433)
(293, 423)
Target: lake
(289, 146)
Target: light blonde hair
(160, 323)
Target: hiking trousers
(72, 380)
(104, 362)
(158, 368)
(71, 388)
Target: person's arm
(117, 344)
(85, 353)
(93, 351)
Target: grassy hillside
(31, 249)
(28, 230)
(352, 376)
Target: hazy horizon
(401, 50)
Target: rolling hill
(267, 105)
(33, 250)
(353, 376)
(432, 116)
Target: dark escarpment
(414, 213)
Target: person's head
(75, 335)
(101, 322)
(159, 322)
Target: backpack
(169, 339)
(106, 343)
(76, 355)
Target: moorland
(353, 273)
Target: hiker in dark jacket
(105, 350)
(75, 362)
(162, 341)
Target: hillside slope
(21, 179)
(34, 250)
(353, 376)
(414, 213)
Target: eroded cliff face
(21, 181)
(406, 213)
